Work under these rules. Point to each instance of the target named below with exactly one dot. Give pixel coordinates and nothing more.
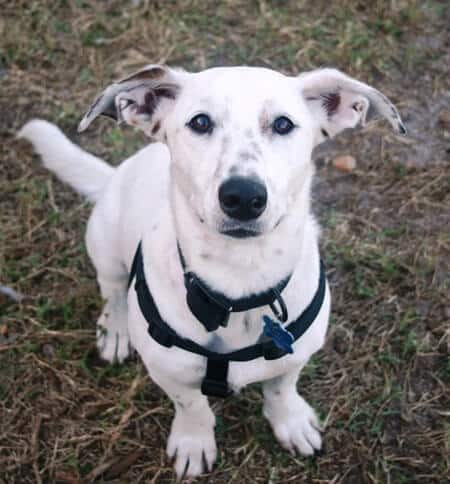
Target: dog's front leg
(191, 440)
(112, 329)
(293, 421)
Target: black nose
(243, 198)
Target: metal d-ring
(283, 315)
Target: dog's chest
(243, 329)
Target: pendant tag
(282, 338)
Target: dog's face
(240, 138)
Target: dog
(213, 216)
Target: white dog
(221, 206)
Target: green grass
(380, 381)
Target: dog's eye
(282, 125)
(201, 124)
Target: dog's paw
(113, 344)
(297, 429)
(194, 449)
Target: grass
(381, 382)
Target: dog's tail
(86, 173)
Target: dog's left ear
(338, 101)
(136, 99)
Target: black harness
(213, 309)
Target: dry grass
(381, 382)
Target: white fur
(85, 172)
(168, 193)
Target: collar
(213, 308)
(215, 381)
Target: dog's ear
(338, 101)
(136, 98)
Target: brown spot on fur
(266, 117)
(264, 122)
(156, 127)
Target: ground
(381, 383)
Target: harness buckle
(272, 352)
(209, 311)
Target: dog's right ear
(137, 98)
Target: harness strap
(215, 382)
(217, 364)
(213, 308)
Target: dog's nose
(243, 198)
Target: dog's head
(240, 138)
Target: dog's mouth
(246, 231)
(241, 233)
(241, 230)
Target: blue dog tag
(282, 338)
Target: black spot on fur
(331, 102)
(109, 110)
(153, 97)
(166, 90)
(325, 133)
(150, 103)
(402, 128)
(247, 156)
